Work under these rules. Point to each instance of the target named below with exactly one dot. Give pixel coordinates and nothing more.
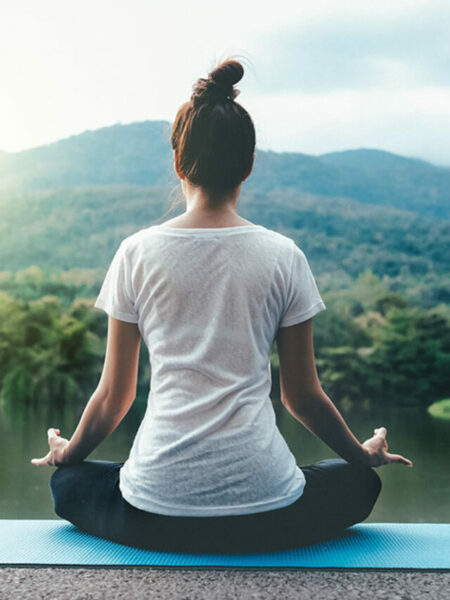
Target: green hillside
(83, 226)
(140, 154)
(67, 205)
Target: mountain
(417, 185)
(67, 205)
(140, 154)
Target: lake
(419, 494)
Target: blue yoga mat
(365, 545)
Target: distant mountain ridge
(140, 154)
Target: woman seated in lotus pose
(210, 292)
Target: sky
(320, 76)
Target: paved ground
(220, 584)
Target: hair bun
(219, 84)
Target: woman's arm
(114, 394)
(324, 420)
(304, 398)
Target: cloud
(359, 49)
(409, 122)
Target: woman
(209, 292)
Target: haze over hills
(140, 154)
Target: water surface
(418, 494)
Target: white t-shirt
(208, 303)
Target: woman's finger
(381, 431)
(399, 459)
(53, 434)
(39, 462)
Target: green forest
(371, 345)
(374, 227)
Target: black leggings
(337, 494)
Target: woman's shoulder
(283, 242)
(135, 239)
(281, 238)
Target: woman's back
(208, 303)
(209, 298)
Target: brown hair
(213, 135)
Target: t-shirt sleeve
(116, 296)
(303, 299)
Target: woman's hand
(377, 446)
(56, 454)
